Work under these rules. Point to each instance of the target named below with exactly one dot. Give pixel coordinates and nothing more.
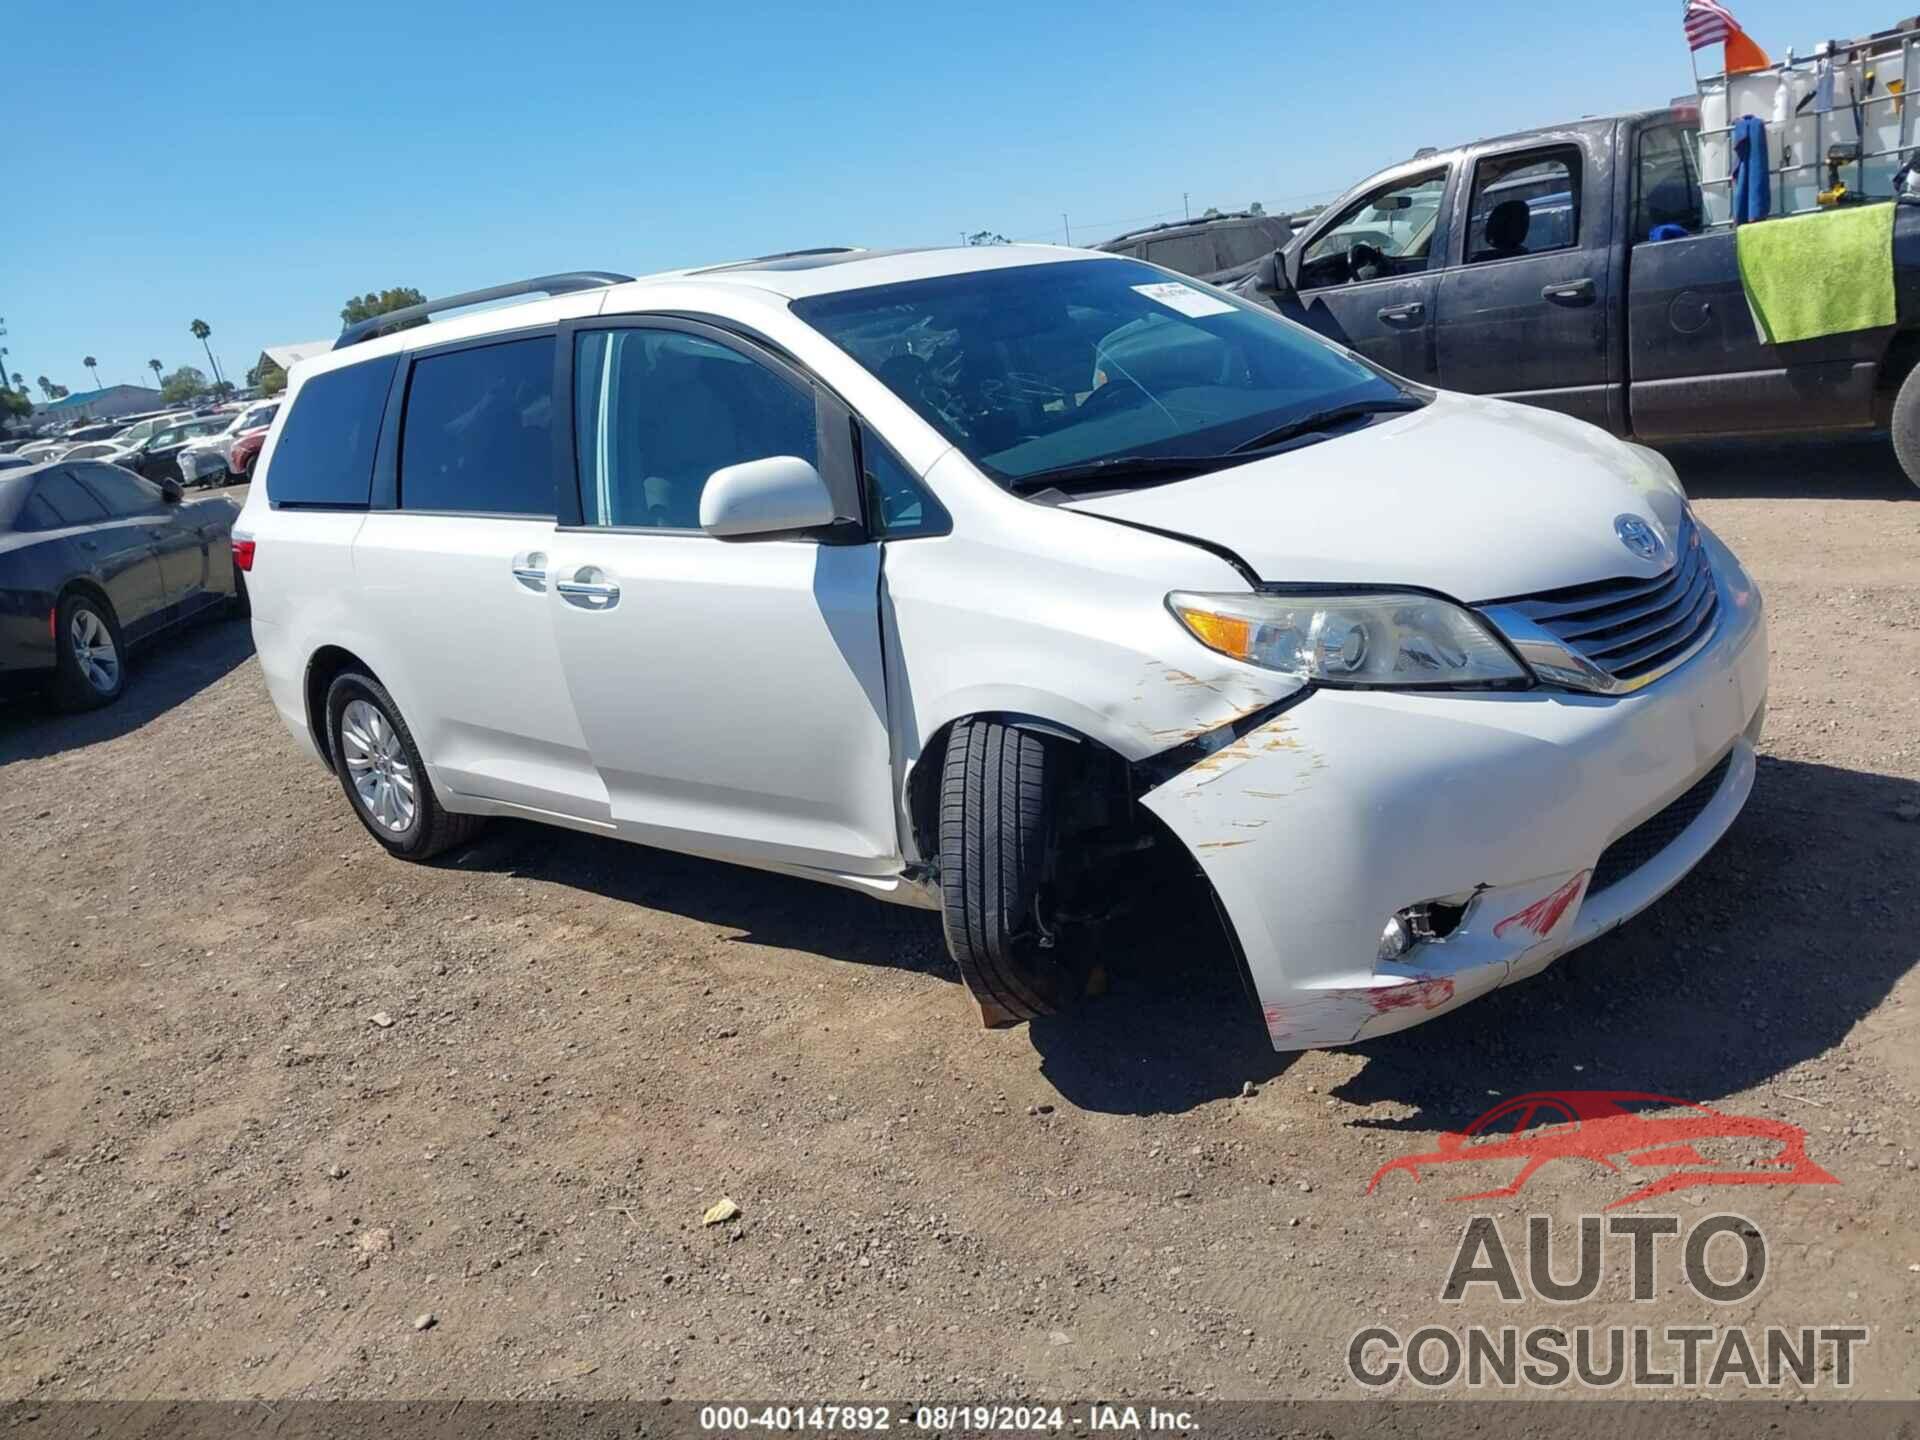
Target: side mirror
(761, 499)
(171, 492)
(1271, 278)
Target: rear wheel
(90, 653)
(997, 826)
(1906, 425)
(380, 769)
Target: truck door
(1366, 274)
(1524, 313)
(1698, 364)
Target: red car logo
(1616, 1129)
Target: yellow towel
(1814, 275)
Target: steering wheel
(1365, 258)
(1105, 396)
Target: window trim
(1576, 185)
(386, 462)
(837, 461)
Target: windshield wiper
(1118, 469)
(1326, 420)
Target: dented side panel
(973, 625)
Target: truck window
(1524, 204)
(1188, 254)
(1386, 233)
(1666, 187)
(1243, 244)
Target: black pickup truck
(1527, 267)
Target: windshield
(1052, 366)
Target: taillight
(242, 554)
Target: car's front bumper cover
(1319, 825)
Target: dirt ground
(224, 1174)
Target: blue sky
(255, 167)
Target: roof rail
(754, 260)
(563, 284)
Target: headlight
(1384, 639)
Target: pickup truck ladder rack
(566, 283)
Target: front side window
(656, 412)
(478, 433)
(1048, 367)
(1525, 204)
(324, 457)
(123, 492)
(1382, 235)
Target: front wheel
(1906, 425)
(997, 823)
(380, 769)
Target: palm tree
(20, 382)
(46, 386)
(154, 365)
(91, 363)
(201, 330)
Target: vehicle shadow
(1849, 467)
(1795, 927)
(169, 669)
(766, 909)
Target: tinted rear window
(325, 452)
(478, 434)
(124, 492)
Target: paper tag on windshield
(1184, 298)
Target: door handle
(530, 569)
(1394, 314)
(590, 589)
(1575, 292)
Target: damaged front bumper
(1551, 816)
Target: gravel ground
(276, 1098)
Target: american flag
(1708, 22)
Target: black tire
(1906, 425)
(431, 828)
(79, 670)
(996, 832)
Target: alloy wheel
(94, 651)
(377, 764)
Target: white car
(888, 570)
(207, 461)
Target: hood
(1478, 499)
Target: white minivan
(964, 576)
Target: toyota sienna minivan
(963, 576)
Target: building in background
(103, 404)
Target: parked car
(111, 451)
(246, 450)
(146, 426)
(1429, 688)
(93, 560)
(93, 430)
(157, 457)
(208, 460)
(1217, 249)
(1538, 278)
(38, 450)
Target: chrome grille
(1633, 631)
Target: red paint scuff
(1541, 916)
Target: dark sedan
(158, 456)
(94, 559)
